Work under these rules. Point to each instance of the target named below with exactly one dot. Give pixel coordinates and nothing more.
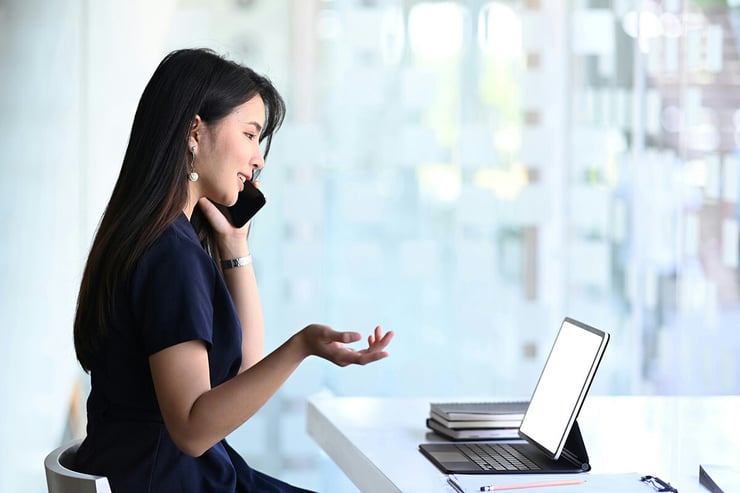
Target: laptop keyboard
(498, 457)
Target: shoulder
(172, 289)
(178, 242)
(176, 255)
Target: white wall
(71, 74)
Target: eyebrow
(257, 125)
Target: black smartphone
(250, 201)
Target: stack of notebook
(477, 420)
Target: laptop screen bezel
(555, 455)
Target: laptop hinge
(575, 450)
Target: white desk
(375, 440)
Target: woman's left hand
(232, 241)
(218, 221)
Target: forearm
(198, 416)
(242, 285)
(222, 409)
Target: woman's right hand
(327, 343)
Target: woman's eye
(249, 136)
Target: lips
(242, 180)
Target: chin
(231, 200)
(225, 200)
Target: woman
(169, 322)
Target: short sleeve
(172, 290)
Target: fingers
(375, 336)
(348, 337)
(346, 356)
(334, 349)
(208, 208)
(213, 215)
(378, 341)
(368, 356)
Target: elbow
(191, 448)
(189, 445)
(194, 452)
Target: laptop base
(461, 458)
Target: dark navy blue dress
(175, 294)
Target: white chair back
(61, 479)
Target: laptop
(552, 440)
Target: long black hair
(152, 187)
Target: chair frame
(61, 479)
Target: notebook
(478, 411)
(552, 439)
(473, 433)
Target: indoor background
(465, 173)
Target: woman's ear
(195, 132)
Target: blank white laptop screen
(563, 385)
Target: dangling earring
(193, 176)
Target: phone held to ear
(250, 201)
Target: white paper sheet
(602, 483)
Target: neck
(192, 200)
